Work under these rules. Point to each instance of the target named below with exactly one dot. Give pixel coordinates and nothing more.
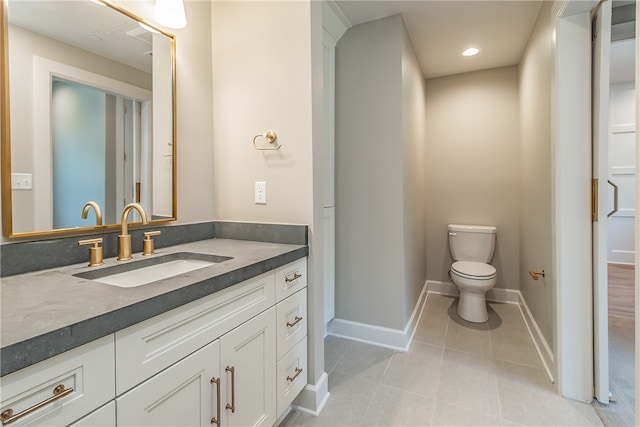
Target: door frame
(576, 360)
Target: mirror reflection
(91, 115)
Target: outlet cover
(261, 193)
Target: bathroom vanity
(221, 345)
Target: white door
(182, 395)
(247, 363)
(622, 171)
(601, 46)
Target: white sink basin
(152, 269)
(144, 275)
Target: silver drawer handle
(59, 392)
(293, 378)
(289, 279)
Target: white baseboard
(396, 339)
(313, 397)
(510, 296)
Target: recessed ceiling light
(471, 51)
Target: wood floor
(621, 290)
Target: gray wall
(536, 85)
(380, 256)
(473, 161)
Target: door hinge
(594, 199)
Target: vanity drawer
(291, 278)
(291, 314)
(292, 375)
(84, 378)
(146, 348)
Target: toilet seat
(473, 270)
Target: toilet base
(472, 307)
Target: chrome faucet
(124, 239)
(96, 208)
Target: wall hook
(535, 275)
(269, 137)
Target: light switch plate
(21, 181)
(261, 193)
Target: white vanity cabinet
(221, 360)
(234, 358)
(62, 389)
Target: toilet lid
(471, 270)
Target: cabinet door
(248, 362)
(182, 395)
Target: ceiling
(441, 30)
(86, 25)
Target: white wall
(473, 164)
(379, 202)
(414, 136)
(536, 83)
(267, 75)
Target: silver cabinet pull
(232, 406)
(615, 198)
(297, 320)
(7, 416)
(216, 419)
(293, 378)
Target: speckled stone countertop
(47, 312)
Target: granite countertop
(48, 312)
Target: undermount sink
(144, 271)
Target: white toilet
(472, 248)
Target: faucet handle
(147, 243)
(95, 252)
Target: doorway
(619, 406)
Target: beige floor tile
(364, 360)
(432, 330)
(446, 414)
(347, 405)
(530, 376)
(469, 381)
(455, 373)
(393, 407)
(514, 345)
(509, 314)
(416, 371)
(472, 338)
(438, 304)
(533, 406)
(334, 349)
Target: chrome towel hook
(269, 137)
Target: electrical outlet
(21, 181)
(261, 193)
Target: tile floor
(455, 373)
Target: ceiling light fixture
(170, 13)
(471, 51)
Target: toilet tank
(472, 242)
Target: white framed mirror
(88, 114)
